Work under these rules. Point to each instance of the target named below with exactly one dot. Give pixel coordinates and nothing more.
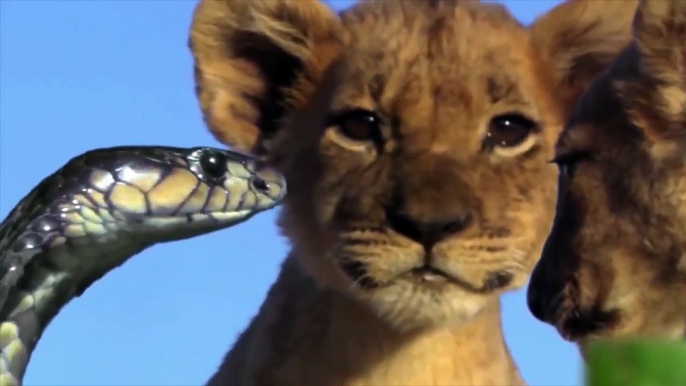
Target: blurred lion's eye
(566, 169)
(567, 163)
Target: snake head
(165, 193)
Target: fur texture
(414, 136)
(614, 263)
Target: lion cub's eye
(358, 124)
(510, 130)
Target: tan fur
(615, 261)
(360, 300)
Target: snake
(101, 208)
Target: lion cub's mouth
(425, 274)
(430, 274)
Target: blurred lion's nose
(535, 303)
(543, 295)
(553, 272)
(428, 233)
(544, 300)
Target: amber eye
(510, 130)
(358, 125)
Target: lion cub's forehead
(429, 65)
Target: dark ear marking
(275, 64)
(255, 61)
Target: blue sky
(76, 75)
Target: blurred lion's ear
(660, 35)
(580, 38)
(257, 60)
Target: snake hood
(100, 209)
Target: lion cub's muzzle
(423, 267)
(427, 233)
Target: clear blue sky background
(76, 75)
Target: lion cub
(415, 137)
(615, 261)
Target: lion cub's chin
(410, 304)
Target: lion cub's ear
(580, 38)
(660, 94)
(256, 60)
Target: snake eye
(213, 164)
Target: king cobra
(100, 209)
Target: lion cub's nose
(428, 233)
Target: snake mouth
(184, 226)
(219, 218)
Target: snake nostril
(260, 184)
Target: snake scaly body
(102, 208)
